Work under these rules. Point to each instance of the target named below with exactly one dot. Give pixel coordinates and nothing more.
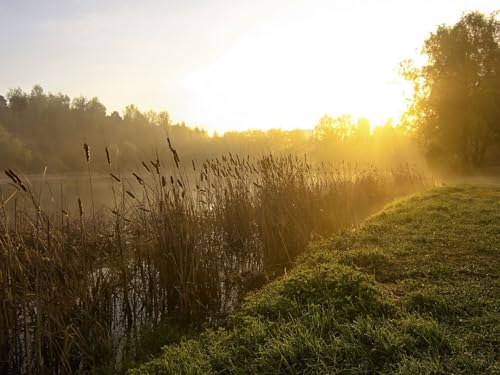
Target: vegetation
(454, 113)
(31, 124)
(456, 104)
(181, 241)
(178, 249)
(415, 291)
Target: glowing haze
(224, 64)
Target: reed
(180, 242)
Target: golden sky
(224, 64)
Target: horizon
(222, 66)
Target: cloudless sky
(223, 64)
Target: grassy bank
(416, 290)
(179, 246)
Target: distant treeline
(39, 130)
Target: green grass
(416, 290)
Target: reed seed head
(108, 159)
(87, 152)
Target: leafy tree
(456, 103)
(79, 103)
(95, 108)
(18, 100)
(3, 103)
(334, 130)
(115, 117)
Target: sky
(224, 64)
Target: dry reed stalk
(171, 251)
(86, 148)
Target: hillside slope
(415, 291)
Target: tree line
(39, 130)
(453, 119)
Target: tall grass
(180, 243)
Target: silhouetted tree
(115, 117)
(18, 100)
(456, 104)
(3, 103)
(335, 129)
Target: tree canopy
(456, 103)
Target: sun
(287, 77)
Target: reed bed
(179, 244)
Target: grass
(416, 290)
(178, 246)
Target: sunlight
(289, 74)
(206, 150)
(305, 63)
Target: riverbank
(416, 290)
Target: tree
(18, 100)
(79, 104)
(95, 108)
(132, 114)
(334, 130)
(456, 103)
(115, 117)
